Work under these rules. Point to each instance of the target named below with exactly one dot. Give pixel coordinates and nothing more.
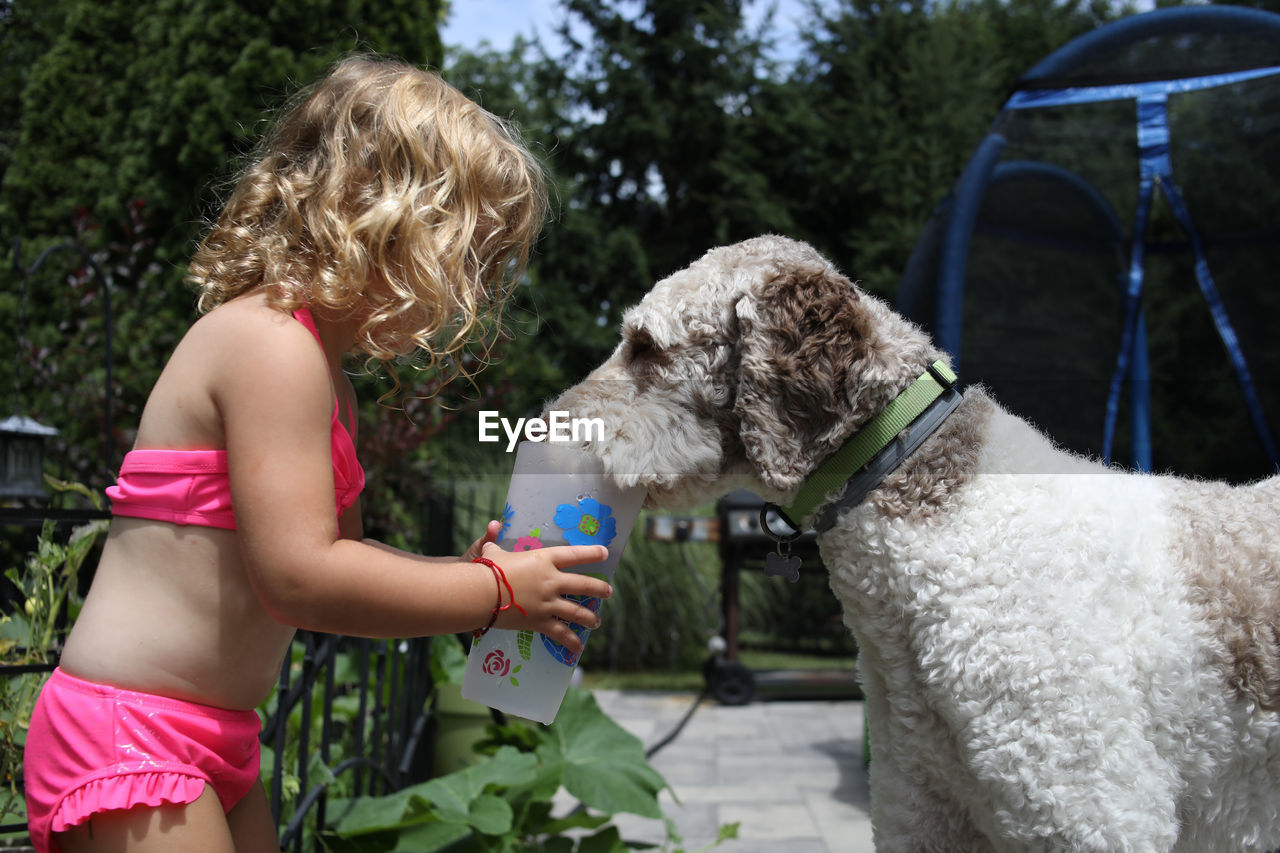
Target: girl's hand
(540, 588)
(477, 547)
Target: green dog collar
(877, 434)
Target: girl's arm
(275, 399)
(475, 550)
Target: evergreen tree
(645, 125)
(152, 99)
(899, 94)
(669, 132)
(25, 34)
(123, 121)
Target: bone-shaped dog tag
(788, 566)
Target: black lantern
(22, 458)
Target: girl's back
(173, 611)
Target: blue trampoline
(1107, 262)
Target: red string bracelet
(499, 580)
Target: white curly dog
(1055, 655)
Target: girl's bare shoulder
(248, 333)
(246, 343)
(240, 348)
(244, 317)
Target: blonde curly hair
(382, 193)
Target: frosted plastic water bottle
(558, 495)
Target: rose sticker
(497, 664)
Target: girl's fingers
(576, 555)
(563, 634)
(490, 537)
(578, 615)
(587, 585)
(560, 555)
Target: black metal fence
(349, 715)
(381, 742)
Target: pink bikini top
(191, 486)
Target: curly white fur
(1056, 655)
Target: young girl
(386, 213)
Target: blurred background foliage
(668, 127)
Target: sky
(499, 21)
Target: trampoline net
(1048, 261)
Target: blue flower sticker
(588, 523)
(507, 514)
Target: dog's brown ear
(802, 334)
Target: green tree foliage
(150, 99)
(666, 127)
(670, 130)
(122, 123)
(894, 97)
(664, 162)
(25, 33)
(646, 135)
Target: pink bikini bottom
(94, 748)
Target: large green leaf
(547, 779)
(578, 820)
(558, 844)
(604, 765)
(429, 837)
(452, 796)
(367, 815)
(459, 798)
(490, 814)
(607, 840)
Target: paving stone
(770, 821)
(790, 773)
(783, 845)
